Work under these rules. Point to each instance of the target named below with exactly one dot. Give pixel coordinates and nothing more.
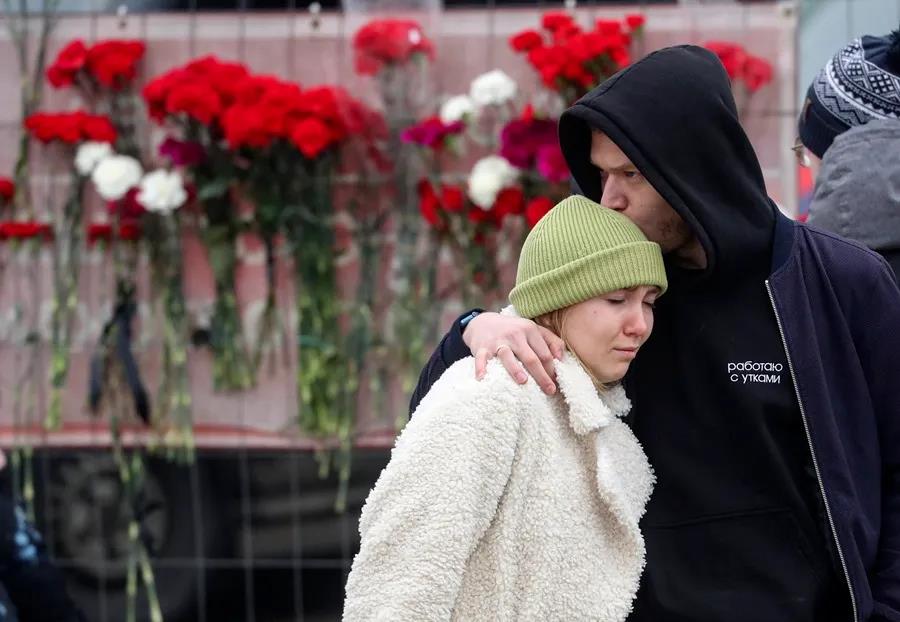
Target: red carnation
(67, 127)
(536, 209)
(509, 201)
(757, 73)
(311, 136)
(68, 63)
(251, 89)
(478, 215)
(13, 230)
(608, 27)
(452, 198)
(731, 55)
(280, 108)
(389, 41)
(102, 232)
(432, 132)
(130, 231)
(7, 190)
(97, 128)
(114, 63)
(620, 57)
(322, 102)
(225, 78)
(429, 205)
(635, 22)
(156, 92)
(555, 20)
(246, 126)
(64, 127)
(99, 232)
(527, 113)
(197, 101)
(526, 41)
(128, 208)
(565, 33)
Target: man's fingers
(482, 356)
(511, 363)
(554, 342)
(535, 367)
(543, 352)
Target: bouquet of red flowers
(25, 230)
(103, 74)
(71, 128)
(277, 145)
(292, 141)
(472, 233)
(479, 224)
(396, 53)
(570, 60)
(388, 42)
(192, 100)
(748, 73)
(108, 64)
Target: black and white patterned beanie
(861, 83)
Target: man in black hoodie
(767, 399)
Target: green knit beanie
(580, 250)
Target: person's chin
(614, 375)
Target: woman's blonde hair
(554, 321)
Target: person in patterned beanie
(860, 83)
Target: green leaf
(214, 188)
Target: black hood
(673, 114)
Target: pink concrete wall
(469, 42)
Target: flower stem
(66, 263)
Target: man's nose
(612, 197)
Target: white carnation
(489, 176)
(162, 191)
(116, 175)
(492, 89)
(89, 155)
(455, 108)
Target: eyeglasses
(801, 153)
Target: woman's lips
(626, 352)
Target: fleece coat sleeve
(433, 502)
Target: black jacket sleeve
(452, 348)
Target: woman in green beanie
(501, 502)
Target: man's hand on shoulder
(518, 343)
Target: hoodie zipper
(812, 452)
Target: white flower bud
(492, 89)
(89, 155)
(115, 175)
(455, 108)
(489, 176)
(162, 191)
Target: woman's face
(606, 331)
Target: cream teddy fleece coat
(502, 503)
